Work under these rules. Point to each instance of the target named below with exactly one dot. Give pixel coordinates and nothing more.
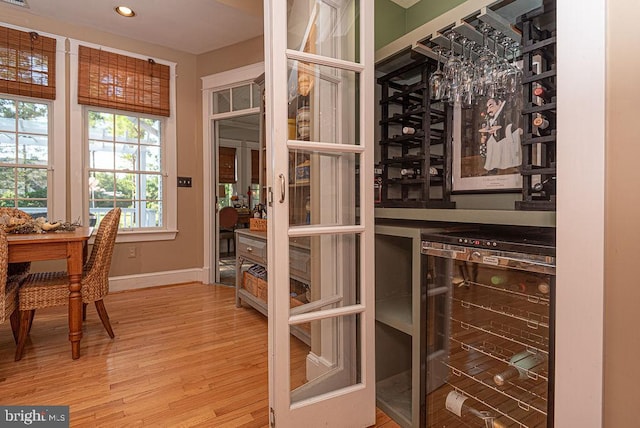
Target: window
(24, 155)
(32, 147)
(125, 168)
(123, 141)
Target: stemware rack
(539, 113)
(415, 140)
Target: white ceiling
(194, 26)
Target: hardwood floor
(183, 355)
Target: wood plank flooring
(183, 355)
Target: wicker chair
(46, 289)
(17, 271)
(8, 290)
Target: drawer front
(300, 263)
(252, 248)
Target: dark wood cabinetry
(539, 113)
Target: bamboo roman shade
(27, 64)
(111, 80)
(227, 165)
(255, 167)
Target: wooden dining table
(69, 245)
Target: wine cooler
(489, 315)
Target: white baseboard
(133, 282)
(316, 366)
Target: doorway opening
(237, 190)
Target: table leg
(74, 270)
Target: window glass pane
(241, 97)
(332, 177)
(256, 93)
(32, 183)
(7, 147)
(7, 184)
(101, 155)
(126, 156)
(127, 129)
(33, 118)
(150, 131)
(101, 125)
(33, 149)
(7, 115)
(323, 103)
(327, 28)
(150, 158)
(341, 343)
(221, 101)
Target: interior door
(319, 115)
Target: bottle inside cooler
(488, 343)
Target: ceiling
(203, 26)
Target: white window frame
(78, 155)
(57, 192)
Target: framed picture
(487, 153)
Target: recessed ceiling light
(125, 11)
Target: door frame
(210, 84)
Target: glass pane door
(320, 234)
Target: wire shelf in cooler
(523, 338)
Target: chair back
(95, 281)
(15, 271)
(5, 311)
(228, 217)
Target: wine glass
(437, 80)
(452, 69)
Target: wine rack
(539, 85)
(415, 140)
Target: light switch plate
(184, 181)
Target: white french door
(319, 115)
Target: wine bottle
(408, 130)
(544, 287)
(455, 403)
(541, 122)
(548, 186)
(544, 94)
(410, 172)
(542, 125)
(520, 365)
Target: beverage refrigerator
(489, 338)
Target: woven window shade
(107, 79)
(255, 167)
(27, 64)
(227, 165)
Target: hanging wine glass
(437, 80)
(512, 78)
(452, 69)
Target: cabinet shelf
(396, 312)
(393, 396)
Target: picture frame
(486, 146)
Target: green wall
(389, 22)
(425, 10)
(393, 21)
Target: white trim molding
(155, 279)
(211, 83)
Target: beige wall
(622, 287)
(186, 250)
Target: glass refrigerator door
(488, 345)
